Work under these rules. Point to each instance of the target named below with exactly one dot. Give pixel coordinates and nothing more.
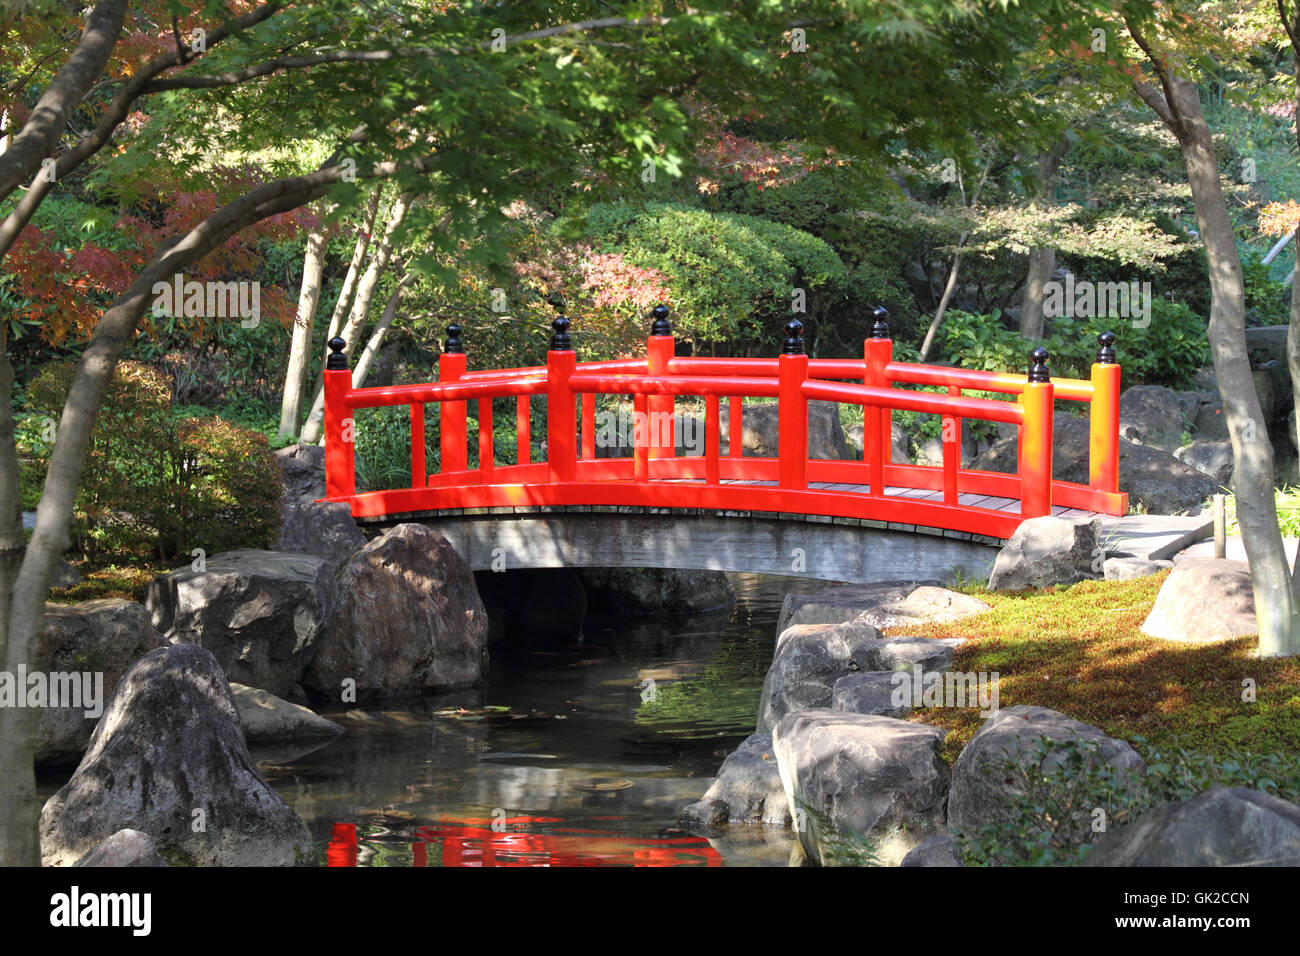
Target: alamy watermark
(82, 690)
(623, 429)
(945, 689)
(211, 300)
(1106, 300)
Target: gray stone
(839, 604)
(323, 528)
(259, 612)
(809, 659)
(124, 848)
(1206, 382)
(870, 692)
(302, 472)
(936, 851)
(1233, 826)
(900, 444)
(1151, 415)
(1154, 480)
(927, 604)
(1047, 551)
(409, 619)
(748, 788)
(168, 745)
(1211, 423)
(909, 653)
(1189, 406)
(1210, 458)
(1204, 599)
(657, 590)
(853, 777)
(1126, 569)
(65, 576)
(983, 792)
(266, 717)
(103, 637)
(759, 436)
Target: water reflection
(561, 759)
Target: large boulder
(872, 692)
(926, 605)
(266, 718)
(839, 604)
(324, 528)
(124, 848)
(1126, 569)
(1204, 599)
(169, 759)
(747, 789)
(1211, 458)
(1233, 826)
(809, 659)
(1046, 551)
(1154, 480)
(259, 612)
(409, 619)
(759, 436)
(936, 851)
(1211, 423)
(899, 443)
(1151, 415)
(302, 472)
(98, 640)
(656, 590)
(855, 777)
(984, 792)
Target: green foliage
(1168, 351)
(732, 276)
(1287, 501)
(1067, 797)
(155, 482)
(1268, 301)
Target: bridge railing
(656, 475)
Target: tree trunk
(948, 288)
(377, 337)
(354, 267)
(1293, 331)
(313, 265)
(314, 430)
(1253, 476)
(1042, 259)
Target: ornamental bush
(156, 482)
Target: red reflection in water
(473, 842)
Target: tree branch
(41, 132)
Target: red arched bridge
(658, 476)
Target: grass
(111, 581)
(1079, 650)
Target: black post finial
(1106, 349)
(794, 338)
(661, 324)
(337, 361)
(1039, 372)
(560, 341)
(881, 328)
(455, 345)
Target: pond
(573, 754)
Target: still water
(572, 754)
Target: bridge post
(1103, 421)
(561, 406)
(876, 421)
(792, 410)
(659, 351)
(340, 460)
(1035, 458)
(453, 430)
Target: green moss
(1079, 650)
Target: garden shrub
(156, 482)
